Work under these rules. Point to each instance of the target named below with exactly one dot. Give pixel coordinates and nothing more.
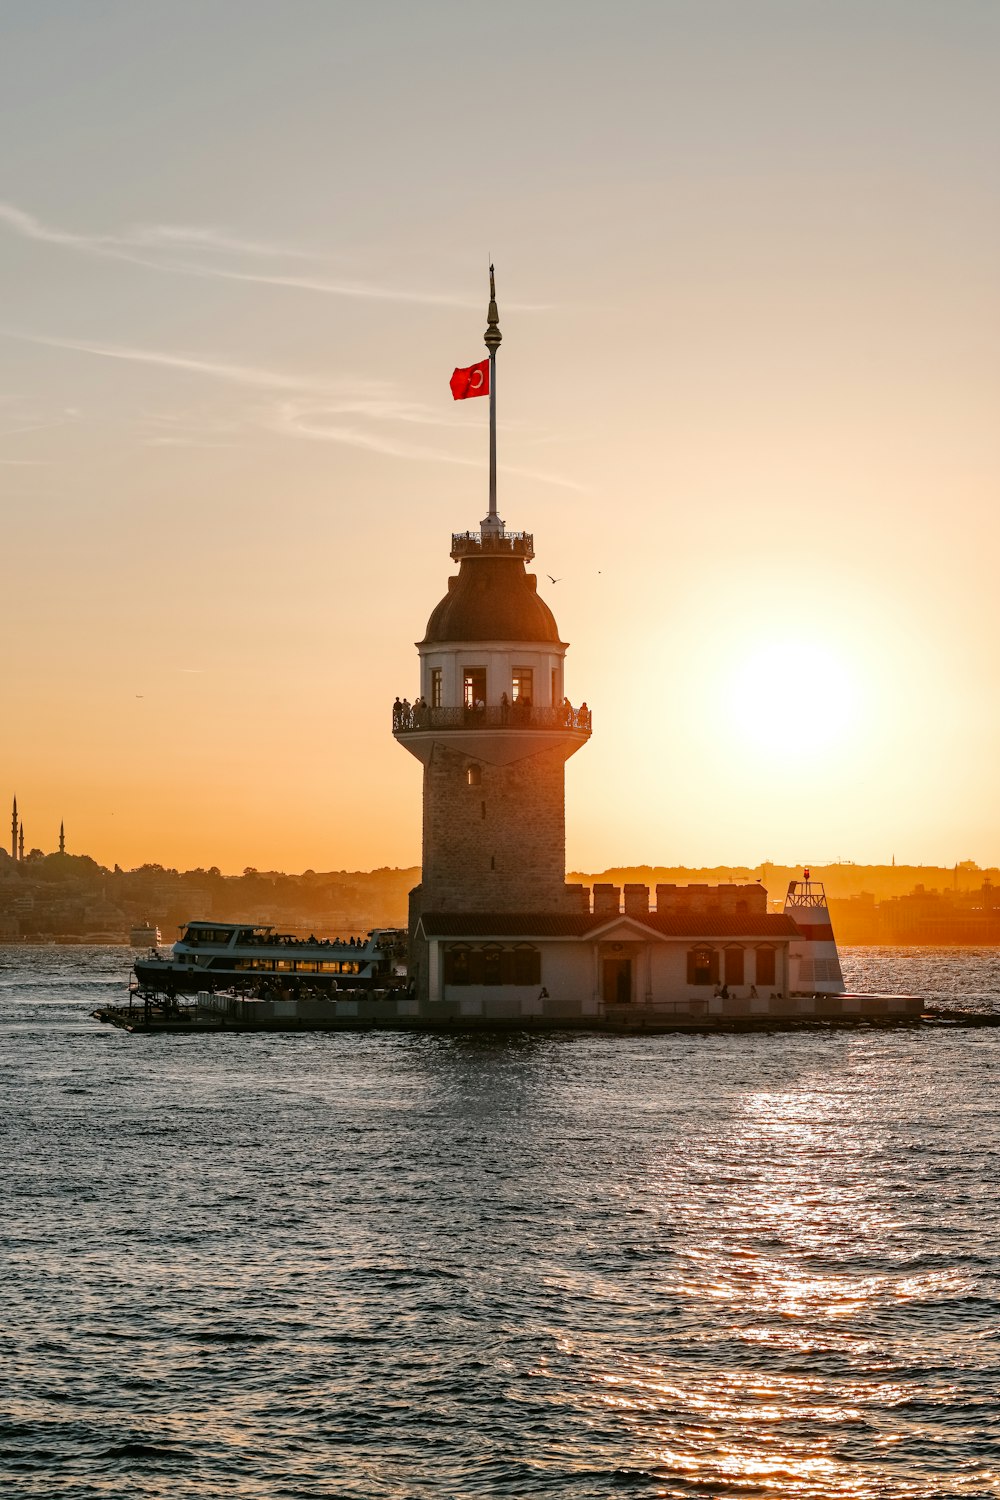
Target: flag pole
(492, 339)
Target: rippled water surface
(363, 1266)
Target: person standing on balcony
(504, 709)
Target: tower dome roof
(492, 599)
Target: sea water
(580, 1266)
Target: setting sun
(823, 697)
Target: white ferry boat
(225, 955)
(144, 935)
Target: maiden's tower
(495, 932)
(492, 724)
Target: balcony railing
(410, 718)
(492, 544)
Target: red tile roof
(716, 925)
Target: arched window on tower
(473, 775)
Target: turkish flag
(475, 381)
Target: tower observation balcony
(489, 543)
(418, 718)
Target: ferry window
(473, 776)
(437, 689)
(765, 966)
(520, 686)
(734, 965)
(702, 966)
(473, 686)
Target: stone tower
(491, 725)
(493, 729)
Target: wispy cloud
(357, 397)
(246, 375)
(305, 407)
(143, 237)
(321, 423)
(20, 415)
(187, 442)
(148, 245)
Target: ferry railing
(409, 718)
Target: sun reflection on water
(793, 1247)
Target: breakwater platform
(396, 1011)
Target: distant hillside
(56, 895)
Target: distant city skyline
(746, 270)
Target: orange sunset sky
(747, 272)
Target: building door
(617, 988)
(473, 686)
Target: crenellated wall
(695, 900)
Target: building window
(703, 966)
(527, 965)
(473, 686)
(436, 687)
(765, 965)
(496, 963)
(473, 775)
(491, 965)
(734, 965)
(520, 685)
(456, 965)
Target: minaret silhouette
(62, 838)
(13, 832)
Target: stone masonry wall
(499, 845)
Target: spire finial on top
(492, 335)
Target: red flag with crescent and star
(475, 381)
